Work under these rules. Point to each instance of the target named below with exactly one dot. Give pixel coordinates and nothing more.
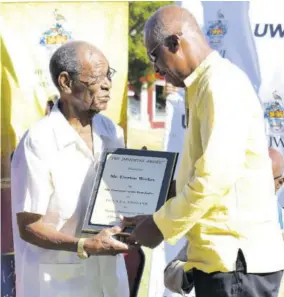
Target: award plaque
(128, 183)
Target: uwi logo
(217, 30)
(56, 35)
(274, 30)
(274, 114)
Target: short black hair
(65, 58)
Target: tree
(139, 65)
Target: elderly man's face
(91, 89)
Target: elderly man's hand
(146, 231)
(105, 244)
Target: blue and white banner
(268, 30)
(228, 30)
(251, 35)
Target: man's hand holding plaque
(146, 232)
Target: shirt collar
(65, 134)
(63, 131)
(204, 65)
(99, 126)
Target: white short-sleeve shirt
(52, 174)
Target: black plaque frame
(87, 226)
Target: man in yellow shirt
(175, 278)
(225, 204)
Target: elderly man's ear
(65, 83)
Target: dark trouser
(238, 283)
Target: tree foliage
(139, 65)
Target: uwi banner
(30, 32)
(251, 35)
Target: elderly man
(53, 170)
(225, 203)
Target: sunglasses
(151, 54)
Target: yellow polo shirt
(225, 185)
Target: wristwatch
(81, 253)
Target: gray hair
(65, 58)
